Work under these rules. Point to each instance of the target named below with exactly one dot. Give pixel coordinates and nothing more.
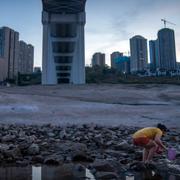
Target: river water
(59, 173)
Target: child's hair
(162, 127)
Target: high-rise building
(26, 58)
(154, 54)
(114, 57)
(15, 56)
(123, 64)
(3, 72)
(98, 59)
(9, 48)
(167, 51)
(138, 59)
(63, 41)
(2, 69)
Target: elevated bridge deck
(64, 6)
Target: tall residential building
(154, 54)
(63, 41)
(123, 64)
(114, 57)
(9, 48)
(98, 59)
(3, 72)
(138, 48)
(26, 58)
(2, 69)
(167, 51)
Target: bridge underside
(64, 6)
(63, 41)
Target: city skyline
(117, 23)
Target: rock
(174, 168)
(80, 167)
(3, 147)
(23, 146)
(33, 149)
(22, 163)
(106, 175)
(45, 144)
(109, 143)
(38, 159)
(63, 134)
(31, 139)
(114, 153)
(178, 154)
(8, 138)
(174, 138)
(123, 146)
(138, 166)
(81, 157)
(50, 134)
(124, 161)
(138, 155)
(14, 153)
(102, 165)
(54, 160)
(71, 147)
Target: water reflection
(89, 175)
(152, 175)
(14, 173)
(36, 173)
(70, 172)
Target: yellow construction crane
(165, 22)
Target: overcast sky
(109, 25)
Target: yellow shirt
(149, 132)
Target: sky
(109, 23)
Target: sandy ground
(133, 105)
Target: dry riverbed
(87, 125)
(131, 105)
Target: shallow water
(63, 173)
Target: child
(150, 139)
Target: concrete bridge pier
(63, 42)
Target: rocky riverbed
(106, 151)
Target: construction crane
(165, 22)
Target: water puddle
(152, 175)
(71, 173)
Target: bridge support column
(63, 47)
